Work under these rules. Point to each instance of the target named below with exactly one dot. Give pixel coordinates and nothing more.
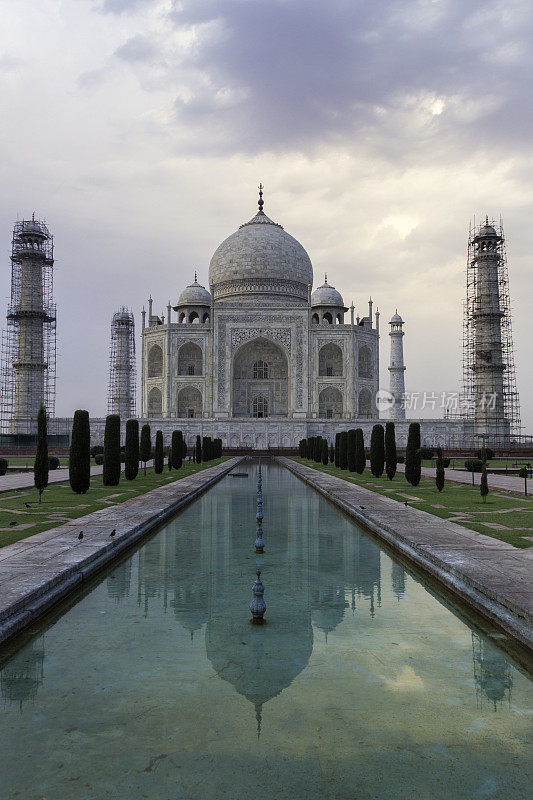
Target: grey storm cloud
(293, 74)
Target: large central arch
(260, 369)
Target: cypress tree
(145, 447)
(439, 475)
(79, 459)
(169, 460)
(111, 474)
(484, 485)
(377, 451)
(325, 452)
(351, 450)
(337, 450)
(177, 449)
(413, 462)
(391, 458)
(343, 447)
(184, 450)
(318, 449)
(331, 454)
(360, 456)
(131, 454)
(207, 454)
(40, 467)
(198, 450)
(159, 456)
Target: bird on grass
(406, 503)
(80, 535)
(28, 505)
(13, 523)
(113, 532)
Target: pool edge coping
(474, 593)
(23, 612)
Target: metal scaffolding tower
(28, 368)
(490, 397)
(122, 372)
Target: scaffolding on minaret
(488, 350)
(28, 365)
(122, 368)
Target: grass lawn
(28, 461)
(60, 504)
(504, 516)
(495, 463)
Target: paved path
(510, 482)
(24, 480)
(492, 576)
(39, 571)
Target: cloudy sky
(139, 129)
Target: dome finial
(325, 277)
(260, 202)
(486, 219)
(195, 276)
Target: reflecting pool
(362, 684)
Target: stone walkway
(24, 480)
(509, 482)
(492, 576)
(39, 571)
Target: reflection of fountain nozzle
(258, 606)
(259, 543)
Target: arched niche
(190, 359)
(364, 362)
(155, 361)
(330, 360)
(189, 402)
(365, 403)
(330, 403)
(155, 402)
(260, 368)
(315, 319)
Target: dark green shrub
(198, 450)
(331, 454)
(53, 462)
(177, 449)
(352, 447)
(377, 451)
(301, 448)
(522, 472)
(445, 463)
(391, 457)
(360, 454)
(159, 456)
(145, 446)
(489, 454)
(400, 459)
(474, 465)
(325, 452)
(337, 450)
(439, 474)
(96, 450)
(343, 447)
(99, 459)
(484, 486)
(79, 460)
(4, 464)
(131, 450)
(413, 460)
(169, 459)
(111, 473)
(40, 467)
(207, 449)
(427, 452)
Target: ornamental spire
(260, 202)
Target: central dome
(260, 259)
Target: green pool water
(362, 684)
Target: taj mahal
(262, 359)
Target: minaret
(397, 368)
(121, 397)
(29, 356)
(488, 366)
